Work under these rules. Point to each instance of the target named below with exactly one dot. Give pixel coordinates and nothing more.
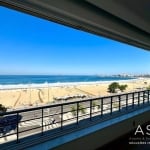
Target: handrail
(81, 110)
(67, 103)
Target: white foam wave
(46, 85)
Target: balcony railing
(57, 118)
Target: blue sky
(30, 45)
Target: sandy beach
(37, 96)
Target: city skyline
(31, 45)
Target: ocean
(24, 81)
(39, 79)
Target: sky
(30, 45)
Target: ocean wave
(57, 84)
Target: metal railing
(57, 118)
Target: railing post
(111, 106)
(90, 109)
(132, 100)
(102, 107)
(77, 112)
(126, 101)
(138, 98)
(17, 127)
(61, 117)
(42, 122)
(143, 97)
(119, 102)
(148, 96)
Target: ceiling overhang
(120, 20)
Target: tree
(73, 110)
(82, 109)
(94, 104)
(98, 106)
(148, 88)
(122, 87)
(3, 109)
(113, 86)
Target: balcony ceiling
(126, 21)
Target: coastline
(58, 84)
(27, 95)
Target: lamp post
(30, 93)
(48, 91)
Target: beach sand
(29, 97)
